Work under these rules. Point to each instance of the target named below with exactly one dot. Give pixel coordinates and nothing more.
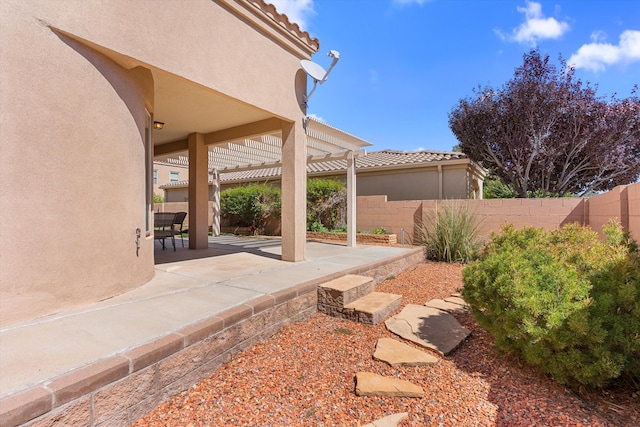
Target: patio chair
(163, 223)
(177, 224)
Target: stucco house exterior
(82, 87)
(398, 175)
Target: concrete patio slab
(185, 295)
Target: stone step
(372, 308)
(428, 327)
(334, 295)
(371, 384)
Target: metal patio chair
(163, 224)
(177, 224)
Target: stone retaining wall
(391, 239)
(121, 388)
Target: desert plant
(563, 301)
(451, 234)
(380, 230)
(250, 205)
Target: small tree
(545, 133)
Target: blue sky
(404, 64)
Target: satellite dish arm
(336, 56)
(315, 84)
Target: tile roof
(283, 20)
(385, 159)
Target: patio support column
(294, 191)
(198, 192)
(351, 200)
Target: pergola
(323, 142)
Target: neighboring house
(82, 90)
(168, 173)
(418, 175)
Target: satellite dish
(317, 73)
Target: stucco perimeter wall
(375, 211)
(622, 203)
(72, 125)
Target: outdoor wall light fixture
(158, 125)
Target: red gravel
(304, 376)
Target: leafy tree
(546, 133)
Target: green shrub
(326, 203)
(318, 227)
(494, 188)
(250, 205)
(157, 198)
(380, 230)
(564, 301)
(451, 235)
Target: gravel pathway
(304, 376)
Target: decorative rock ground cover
(304, 376)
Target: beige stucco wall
(399, 185)
(72, 129)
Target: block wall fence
(622, 203)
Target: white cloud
(598, 55)
(318, 118)
(296, 10)
(598, 36)
(535, 27)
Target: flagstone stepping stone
(389, 421)
(447, 306)
(457, 300)
(370, 384)
(397, 353)
(428, 327)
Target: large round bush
(564, 301)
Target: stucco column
(198, 192)
(351, 200)
(294, 192)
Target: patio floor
(189, 285)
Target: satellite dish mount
(317, 73)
